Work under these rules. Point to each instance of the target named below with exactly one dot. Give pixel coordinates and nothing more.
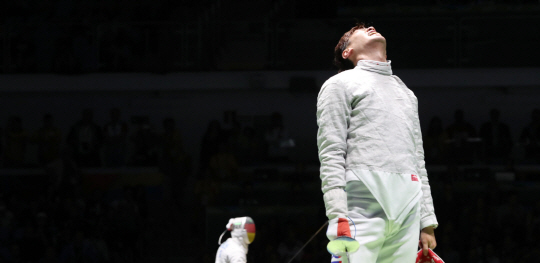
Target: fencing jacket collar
(375, 66)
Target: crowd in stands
(118, 143)
(60, 223)
(228, 144)
(88, 144)
(488, 143)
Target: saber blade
(326, 223)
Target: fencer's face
(364, 38)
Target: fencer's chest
(382, 99)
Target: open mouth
(371, 31)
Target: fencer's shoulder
(332, 80)
(231, 247)
(238, 244)
(343, 76)
(398, 79)
(339, 80)
(403, 86)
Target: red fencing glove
(431, 257)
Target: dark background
(131, 131)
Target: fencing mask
(241, 227)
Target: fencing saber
(326, 223)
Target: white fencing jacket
(234, 250)
(368, 126)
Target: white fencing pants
(381, 240)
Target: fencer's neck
(376, 53)
(375, 66)
(240, 241)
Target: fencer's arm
(427, 211)
(333, 115)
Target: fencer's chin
(378, 39)
(378, 36)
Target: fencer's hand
(341, 241)
(427, 239)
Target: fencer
(374, 182)
(235, 249)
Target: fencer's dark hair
(341, 63)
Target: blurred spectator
(510, 212)
(16, 139)
(236, 140)
(229, 122)
(223, 163)
(211, 140)
(6, 220)
(78, 249)
(530, 138)
(206, 189)
(115, 134)
(248, 196)
(145, 141)
(48, 139)
(100, 245)
(172, 150)
(174, 162)
(125, 227)
(12, 253)
(489, 255)
(249, 146)
(45, 229)
(435, 142)
(496, 139)
(450, 202)
(50, 255)
(85, 139)
(277, 138)
(460, 135)
(509, 249)
(32, 244)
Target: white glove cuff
(335, 201)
